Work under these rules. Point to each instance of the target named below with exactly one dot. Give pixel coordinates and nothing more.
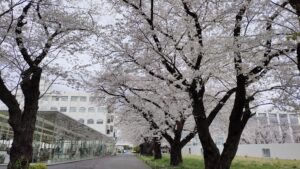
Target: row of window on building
(110, 119)
(273, 118)
(72, 98)
(91, 121)
(78, 109)
(109, 128)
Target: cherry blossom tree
(37, 32)
(145, 103)
(203, 50)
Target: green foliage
(2, 158)
(127, 147)
(38, 166)
(196, 162)
(136, 149)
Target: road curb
(66, 162)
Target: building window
(82, 98)
(81, 121)
(90, 121)
(73, 109)
(107, 129)
(92, 99)
(266, 152)
(91, 109)
(99, 121)
(63, 109)
(82, 109)
(283, 119)
(273, 118)
(262, 118)
(294, 119)
(53, 108)
(64, 98)
(55, 98)
(74, 98)
(101, 109)
(111, 128)
(111, 118)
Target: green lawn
(196, 162)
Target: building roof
(53, 124)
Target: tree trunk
(157, 148)
(229, 151)
(23, 124)
(296, 5)
(211, 152)
(175, 155)
(21, 150)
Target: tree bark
(230, 149)
(23, 125)
(175, 154)
(157, 148)
(21, 150)
(296, 5)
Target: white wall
(281, 151)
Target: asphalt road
(116, 162)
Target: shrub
(2, 158)
(136, 149)
(38, 166)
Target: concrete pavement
(116, 162)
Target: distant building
(275, 135)
(81, 106)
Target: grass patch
(196, 162)
(38, 166)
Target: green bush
(38, 166)
(2, 158)
(136, 149)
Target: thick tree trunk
(214, 160)
(157, 148)
(210, 150)
(175, 155)
(296, 5)
(230, 149)
(21, 150)
(23, 124)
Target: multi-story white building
(81, 106)
(273, 134)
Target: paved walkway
(117, 162)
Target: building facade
(82, 106)
(57, 138)
(275, 135)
